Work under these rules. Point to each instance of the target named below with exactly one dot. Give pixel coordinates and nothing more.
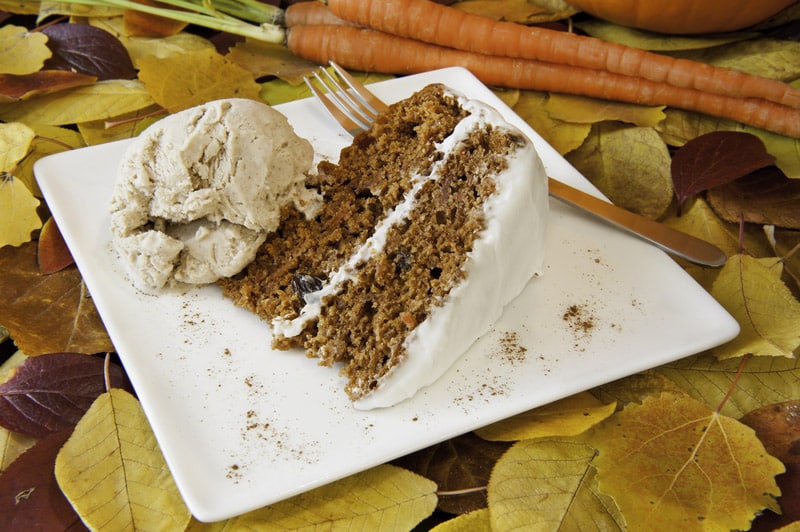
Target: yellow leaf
(672, 463)
(568, 417)
(19, 7)
(549, 485)
(636, 388)
(630, 165)
(763, 381)
(163, 47)
(583, 110)
(770, 58)
(469, 522)
(15, 141)
(180, 81)
(125, 126)
(384, 496)
(660, 42)
(752, 291)
(113, 473)
(18, 216)
(563, 136)
(48, 140)
(22, 51)
(270, 59)
(99, 101)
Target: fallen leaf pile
(711, 442)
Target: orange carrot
(427, 21)
(310, 13)
(372, 51)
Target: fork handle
(670, 240)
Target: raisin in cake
(432, 222)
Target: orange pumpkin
(683, 16)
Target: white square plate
(242, 426)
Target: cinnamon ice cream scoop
(198, 191)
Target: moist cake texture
(431, 222)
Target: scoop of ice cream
(198, 191)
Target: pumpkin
(683, 16)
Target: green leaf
(113, 473)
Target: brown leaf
(30, 498)
(14, 87)
(52, 392)
(47, 313)
(714, 159)
(789, 483)
(53, 253)
(765, 197)
(462, 463)
(778, 428)
(88, 49)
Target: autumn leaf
(475, 520)
(113, 472)
(460, 467)
(53, 254)
(701, 221)
(12, 444)
(15, 142)
(47, 313)
(672, 463)
(549, 484)
(18, 216)
(137, 23)
(789, 518)
(778, 427)
(764, 197)
(769, 316)
(270, 59)
(18, 87)
(769, 58)
(568, 417)
(583, 110)
(98, 101)
(50, 393)
(759, 382)
(89, 50)
(180, 81)
(48, 140)
(680, 127)
(30, 498)
(630, 165)
(21, 51)
(384, 495)
(715, 159)
(562, 135)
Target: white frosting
(504, 258)
(507, 254)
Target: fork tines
(347, 105)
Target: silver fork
(355, 108)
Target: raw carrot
(434, 23)
(310, 13)
(372, 51)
